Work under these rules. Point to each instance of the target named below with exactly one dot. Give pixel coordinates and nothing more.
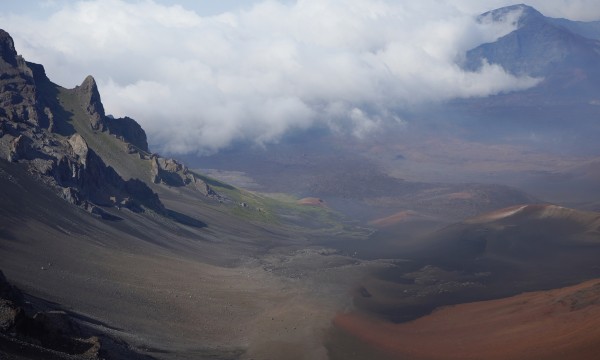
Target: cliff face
(64, 138)
(36, 131)
(89, 97)
(19, 102)
(126, 128)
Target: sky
(202, 75)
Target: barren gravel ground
(173, 291)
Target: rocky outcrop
(80, 176)
(205, 189)
(89, 96)
(79, 147)
(8, 53)
(51, 334)
(19, 102)
(9, 292)
(173, 173)
(86, 178)
(125, 128)
(35, 130)
(20, 148)
(10, 300)
(168, 171)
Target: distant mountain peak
(540, 47)
(524, 14)
(525, 9)
(90, 83)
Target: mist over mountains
(532, 138)
(354, 173)
(355, 76)
(349, 68)
(556, 49)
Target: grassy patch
(279, 208)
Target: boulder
(10, 300)
(80, 148)
(167, 171)
(72, 196)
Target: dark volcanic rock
(51, 333)
(18, 98)
(167, 171)
(89, 96)
(36, 130)
(20, 101)
(11, 300)
(9, 292)
(172, 173)
(125, 128)
(128, 130)
(84, 175)
(19, 148)
(8, 54)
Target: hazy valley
(472, 224)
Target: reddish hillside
(555, 324)
(399, 217)
(312, 201)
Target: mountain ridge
(55, 132)
(539, 47)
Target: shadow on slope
(498, 254)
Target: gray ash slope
(121, 240)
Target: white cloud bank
(196, 84)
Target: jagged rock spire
(90, 97)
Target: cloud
(199, 83)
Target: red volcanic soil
(400, 217)
(539, 211)
(464, 195)
(555, 324)
(311, 201)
